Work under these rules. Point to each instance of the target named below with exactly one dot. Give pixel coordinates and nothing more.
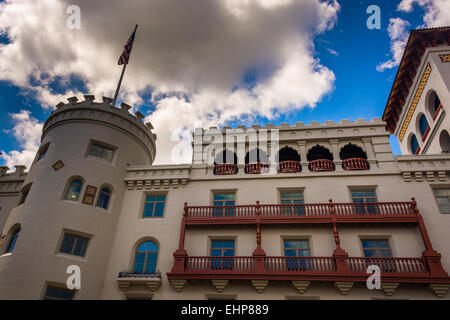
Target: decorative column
(432, 257)
(303, 155)
(180, 254)
(259, 255)
(336, 157)
(369, 151)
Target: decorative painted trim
(89, 195)
(418, 94)
(445, 57)
(58, 165)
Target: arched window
(444, 141)
(288, 160)
(318, 152)
(24, 193)
(12, 241)
(225, 163)
(256, 162)
(353, 158)
(423, 126)
(414, 144)
(146, 256)
(103, 198)
(74, 190)
(434, 104)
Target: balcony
(129, 278)
(321, 165)
(342, 270)
(225, 169)
(379, 212)
(355, 164)
(289, 167)
(256, 168)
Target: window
(103, 198)
(57, 293)
(221, 200)
(12, 242)
(74, 245)
(146, 256)
(224, 249)
(154, 206)
(42, 152)
(443, 199)
(423, 126)
(295, 200)
(24, 194)
(362, 200)
(74, 190)
(376, 248)
(294, 249)
(101, 151)
(414, 144)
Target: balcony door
(295, 252)
(294, 203)
(365, 202)
(378, 252)
(222, 252)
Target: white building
(302, 218)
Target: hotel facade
(276, 212)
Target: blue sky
(350, 50)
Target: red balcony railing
(219, 264)
(289, 167)
(225, 169)
(416, 269)
(300, 264)
(321, 165)
(389, 265)
(256, 168)
(355, 164)
(320, 212)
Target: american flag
(127, 51)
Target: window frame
(24, 193)
(108, 206)
(388, 239)
(105, 146)
(59, 287)
(76, 235)
(68, 185)
(165, 195)
(434, 188)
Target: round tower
(71, 199)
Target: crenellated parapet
(90, 111)
(11, 183)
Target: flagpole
(121, 76)
(119, 84)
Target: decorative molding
(89, 195)
(220, 284)
(343, 287)
(445, 57)
(260, 285)
(418, 94)
(440, 290)
(58, 165)
(301, 286)
(178, 285)
(389, 287)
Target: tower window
(103, 198)
(42, 152)
(415, 148)
(423, 126)
(56, 293)
(101, 151)
(74, 190)
(24, 193)
(12, 242)
(74, 245)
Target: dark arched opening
(225, 163)
(320, 159)
(288, 160)
(256, 161)
(353, 158)
(444, 141)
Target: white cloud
(27, 131)
(200, 50)
(437, 14)
(398, 33)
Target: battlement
(90, 111)
(10, 183)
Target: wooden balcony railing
(321, 165)
(256, 168)
(289, 167)
(355, 164)
(317, 267)
(312, 212)
(389, 265)
(225, 169)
